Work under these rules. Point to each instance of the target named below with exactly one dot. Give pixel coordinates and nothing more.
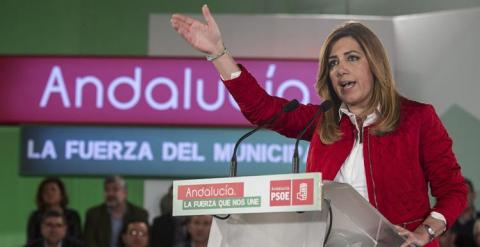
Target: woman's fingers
(179, 21)
(182, 19)
(208, 17)
(184, 26)
(202, 35)
(402, 231)
(409, 242)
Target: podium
(336, 211)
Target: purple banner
(130, 90)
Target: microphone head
(290, 106)
(326, 105)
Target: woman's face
(350, 74)
(51, 194)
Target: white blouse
(353, 169)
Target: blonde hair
(384, 95)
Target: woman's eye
(332, 63)
(353, 58)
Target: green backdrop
(72, 28)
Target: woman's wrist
(422, 235)
(430, 229)
(216, 55)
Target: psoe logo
(291, 192)
(303, 191)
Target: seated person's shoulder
(35, 243)
(71, 213)
(72, 242)
(137, 211)
(97, 210)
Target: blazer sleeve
(441, 167)
(258, 106)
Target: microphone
(325, 106)
(290, 106)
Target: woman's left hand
(413, 238)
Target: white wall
(266, 36)
(438, 58)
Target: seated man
(135, 233)
(104, 222)
(53, 230)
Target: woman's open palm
(203, 36)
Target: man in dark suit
(104, 222)
(53, 229)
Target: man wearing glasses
(135, 233)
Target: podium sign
(253, 194)
(346, 219)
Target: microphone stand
(325, 106)
(290, 106)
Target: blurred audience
(462, 230)
(53, 230)
(198, 231)
(104, 222)
(447, 239)
(52, 196)
(167, 230)
(135, 233)
(476, 233)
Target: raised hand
(203, 36)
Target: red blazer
(399, 166)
